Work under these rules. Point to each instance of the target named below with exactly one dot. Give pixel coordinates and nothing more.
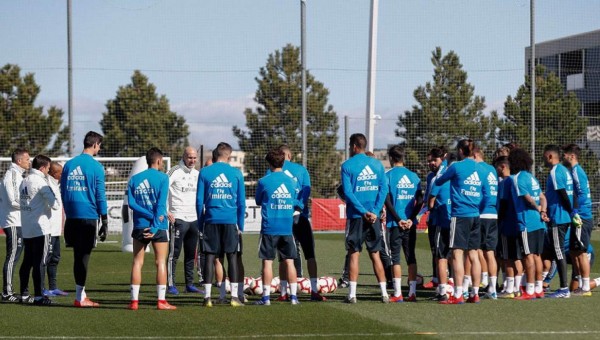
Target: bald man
(183, 182)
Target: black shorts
(81, 233)
(533, 242)
(220, 238)
(160, 236)
(303, 233)
(405, 240)
(359, 231)
(442, 242)
(555, 245)
(489, 234)
(579, 239)
(271, 245)
(512, 247)
(465, 233)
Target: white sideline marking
(313, 335)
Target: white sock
(397, 286)
(207, 289)
(518, 279)
(234, 289)
(283, 286)
(492, 285)
(161, 290)
(352, 290)
(597, 280)
(442, 289)
(79, 293)
(466, 283)
(530, 288)
(314, 286)
(222, 290)
(586, 284)
(475, 291)
(135, 292)
(293, 288)
(539, 286)
(458, 292)
(412, 288)
(383, 287)
(505, 283)
(266, 290)
(580, 281)
(544, 274)
(510, 285)
(484, 278)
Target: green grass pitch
(108, 284)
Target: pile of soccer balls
(254, 286)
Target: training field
(108, 284)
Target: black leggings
(37, 250)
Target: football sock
(293, 288)
(458, 292)
(505, 283)
(397, 286)
(79, 293)
(586, 284)
(234, 289)
(484, 278)
(539, 286)
(579, 281)
(284, 286)
(518, 279)
(314, 286)
(135, 292)
(383, 286)
(492, 285)
(412, 288)
(207, 288)
(475, 291)
(597, 281)
(161, 290)
(266, 290)
(530, 288)
(352, 290)
(222, 290)
(510, 285)
(466, 283)
(442, 289)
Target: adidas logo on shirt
(221, 182)
(473, 179)
(76, 175)
(144, 188)
(281, 192)
(366, 174)
(492, 180)
(405, 183)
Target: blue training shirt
(465, 187)
(301, 175)
(276, 196)
(528, 218)
(221, 195)
(487, 207)
(403, 185)
(560, 178)
(147, 193)
(508, 223)
(365, 185)
(581, 185)
(442, 209)
(82, 188)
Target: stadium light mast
(371, 72)
(303, 61)
(532, 78)
(69, 78)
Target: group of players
(482, 219)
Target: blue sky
(204, 55)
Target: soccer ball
(248, 282)
(275, 288)
(419, 279)
(326, 284)
(255, 287)
(304, 285)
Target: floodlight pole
(532, 79)
(371, 73)
(69, 78)
(303, 60)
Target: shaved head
(190, 156)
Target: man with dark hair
(84, 199)
(56, 223)
(276, 195)
(37, 202)
(365, 190)
(402, 206)
(580, 234)
(147, 196)
(183, 220)
(10, 219)
(561, 212)
(221, 209)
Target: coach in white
(10, 219)
(183, 184)
(37, 202)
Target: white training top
(183, 184)
(10, 214)
(56, 219)
(37, 202)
